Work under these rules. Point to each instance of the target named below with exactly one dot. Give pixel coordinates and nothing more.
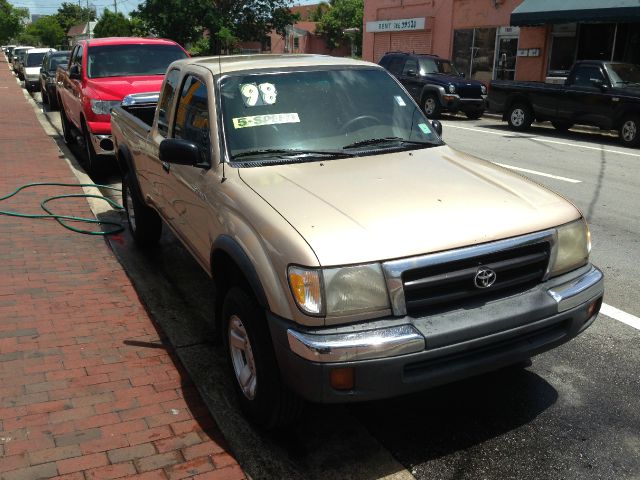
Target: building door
(506, 54)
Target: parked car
(10, 49)
(50, 64)
(435, 84)
(100, 73)
(32, 66)
(18, 54)
(355, 255)
(597, 93)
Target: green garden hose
(62, 219)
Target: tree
(112, 25)
(48, 31)
(11, 21)
(179, 20)
(282, 18)
(339, 16)
(70, 14)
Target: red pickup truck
(100, 73)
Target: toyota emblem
(485, 277)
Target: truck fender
(231, 247)
(438, 90)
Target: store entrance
(506, 55)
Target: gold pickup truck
(355, 255)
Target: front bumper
(101, 139)
(454, 103)
(396, 356)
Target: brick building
(511, 39)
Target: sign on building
(399, 25)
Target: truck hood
(116, 88)
(398, 205)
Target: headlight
(339, 291)
(483, 89)
(573, 247)
(103, 107)
(452, 89)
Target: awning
(540, 12)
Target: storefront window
(627, 47)
(563, 49)
(474, 51)
(595, 41)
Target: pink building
(511, 39)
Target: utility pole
(115, 5)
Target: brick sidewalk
(88, 390)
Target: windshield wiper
(291, 152)
(381, 141)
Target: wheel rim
(629, 130)
(429, 106)
(517, 117)
(242, 359)
(131, 214)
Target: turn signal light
(342, 378)
(594, 307)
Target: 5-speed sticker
(258, 120)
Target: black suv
(436, 85)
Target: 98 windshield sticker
(259, 120)
(254, 95)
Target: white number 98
(268, 93)
(250, 93)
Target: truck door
(74, 88)
(586, 100)
(410, 78)
(186, 189)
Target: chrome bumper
(102, 144)
(405, 339)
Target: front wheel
(67, 135)
(144, 222)
(45, 97)
(630, 131)
(520, 117)
(262, 396)
(431, 106)
(96, 165)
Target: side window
(583, 75)
(167, 96)
(192, 116)
(395, 65)
(410, 65)
(72, 57)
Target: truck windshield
(343, 112)
(131, 60)
(35, 59)
(432, 65)
(624, 73)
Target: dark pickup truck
(602, 94)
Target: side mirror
(181, 152)
(411, 73)
(598, 83)
(74, 73)
(437, 126)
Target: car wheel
(262, 396)
(95, 164)
(474, 114)
(562, 126)
(144, 222)
(630, 131)
(67, 135)
(431, 106)
(45, 97)
(520, 117)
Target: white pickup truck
(355, 255)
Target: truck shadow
(360, 441)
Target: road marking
(621, 316)
(538, 139)
(564, 179)
(491, 132)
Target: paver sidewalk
(87, 389)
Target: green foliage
(317, 13)
(179, 20)
(25, 38)
(340, 15)
(112, 24)
(139, 27)
(11, 21)
(200, 47)
(70, 14)
(48, 32)
(283, 17)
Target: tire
(262, 396)
(67, 134)
(474, 114)
(431, 106)
(144, 222)
(95, 165)
(562, 126)
(630, 131)
(45, 97)
(520, 117)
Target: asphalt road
(573, 414)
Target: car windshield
(55, 61)
(624, 73)
(35, 59)
(339, 113)
(131, 60)
(433, 65)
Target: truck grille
(470, 92)
(453, 284)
